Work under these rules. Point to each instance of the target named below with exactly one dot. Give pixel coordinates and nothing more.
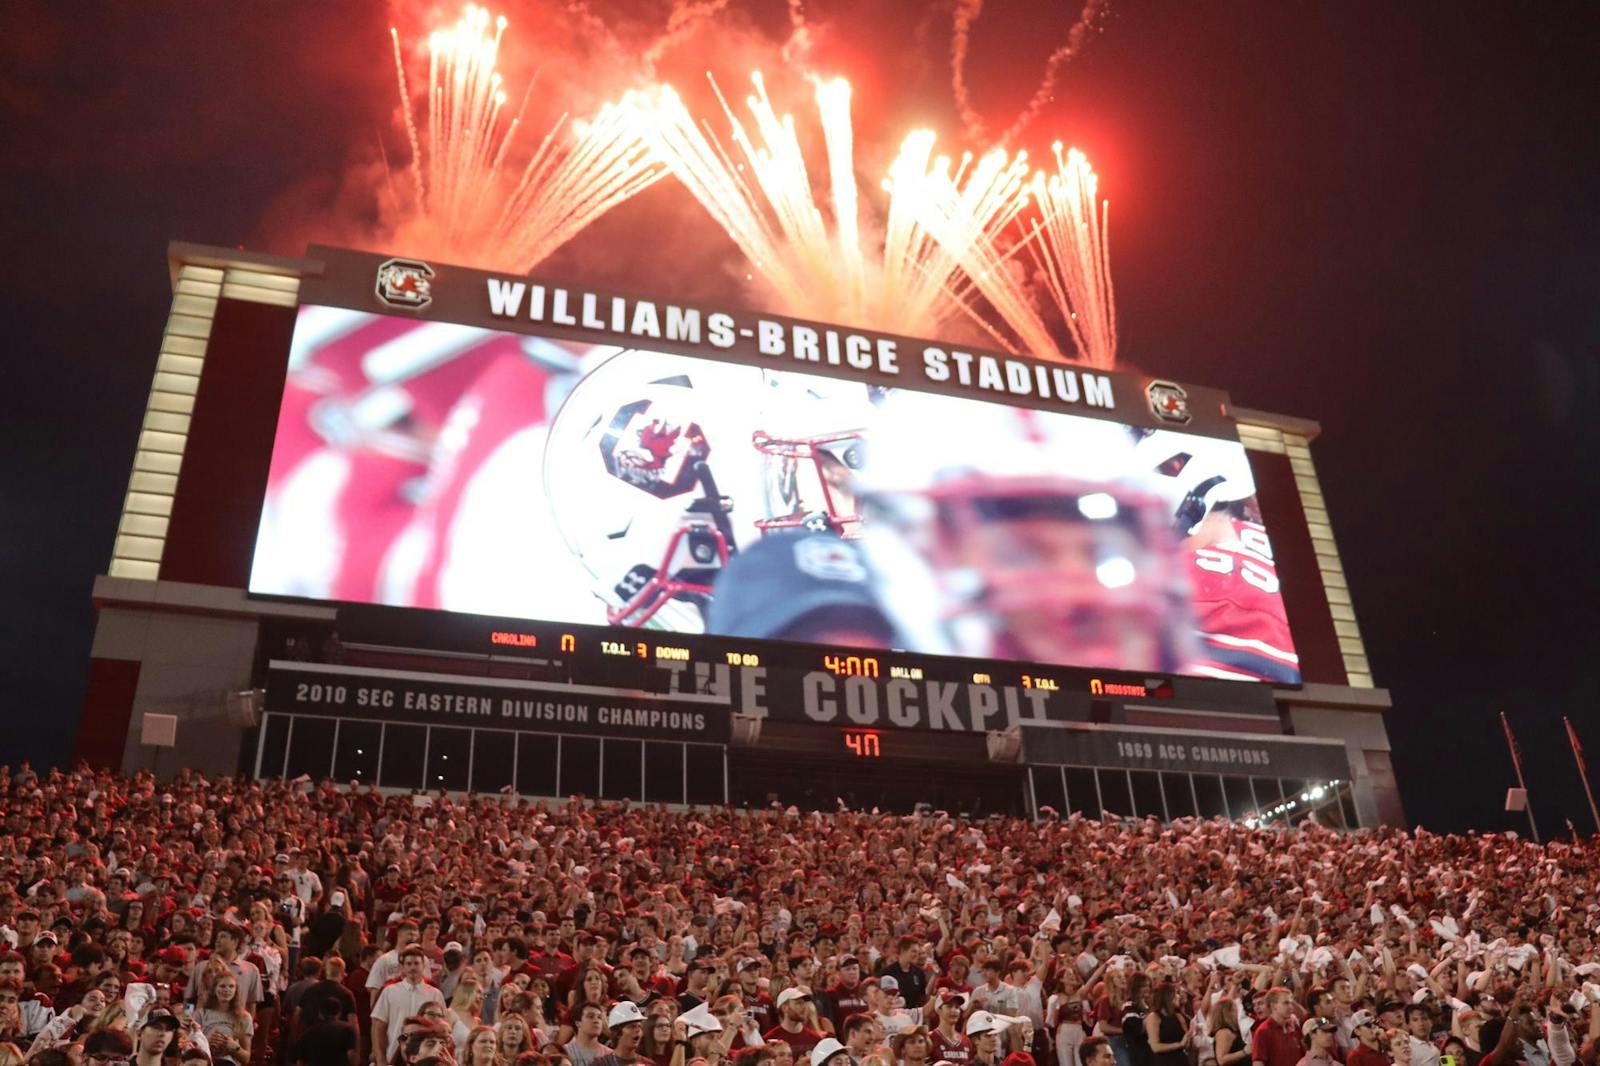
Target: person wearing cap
(910, 1047)
(398, 1001)
(829, 1050)
(947, 1042)
(879, 993)
(704, 1034)
(626, 1023)
(1320, 1035)
(453, 963)
(983, 1028)
(794, 1018)
(696, 985)
(26, 926)
(846, 996)
(1368, 1049)
(757, 1004)
(44, 947)
(158, 1030)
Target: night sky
(1378, 216)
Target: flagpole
(1583, 771)
(1516, 761)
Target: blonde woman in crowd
(482, 1047)
(514, 1038)
(466, 1006)
(226, 1022)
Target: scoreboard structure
(420, 526)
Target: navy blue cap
(786, 586)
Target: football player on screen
(364, 402)
(1211, 494)
(996, 531)
(660, 469)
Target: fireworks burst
(468, 203)
(1070, 244)
(764, 200)
(1067, 242)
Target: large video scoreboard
(679, 483)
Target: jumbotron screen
(428, 464)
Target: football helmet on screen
(999, 531)
(1192, 474)
(659, 468)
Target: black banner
(520, 304)
(494, 703)
(1185, 751)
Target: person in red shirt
(1277, 1041)
(544, 960)
(1369, 1041)
(846, 997)
(756, 1003)
(948, 1042)
(793, 1028)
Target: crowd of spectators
(201, 922)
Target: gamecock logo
(1169, 402)
(652, 450)
(405, 283)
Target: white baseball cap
(623, 1013)
(826, 1049)
(790, 994)
(984, 1022)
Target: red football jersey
(1244, 631)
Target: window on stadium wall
(1094, 792)
(399, 755)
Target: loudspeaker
(1516, 799)
(158, 730)
(1005, 746)
(243, 708)
(746, 732)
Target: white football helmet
(660, 467)
(1193, 474)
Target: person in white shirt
(881, 1006)
(993, 995)
(387, 966)
(307, 885)
(399, 1001)
(1027, 992)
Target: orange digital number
(850, 665)
(864, 745)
